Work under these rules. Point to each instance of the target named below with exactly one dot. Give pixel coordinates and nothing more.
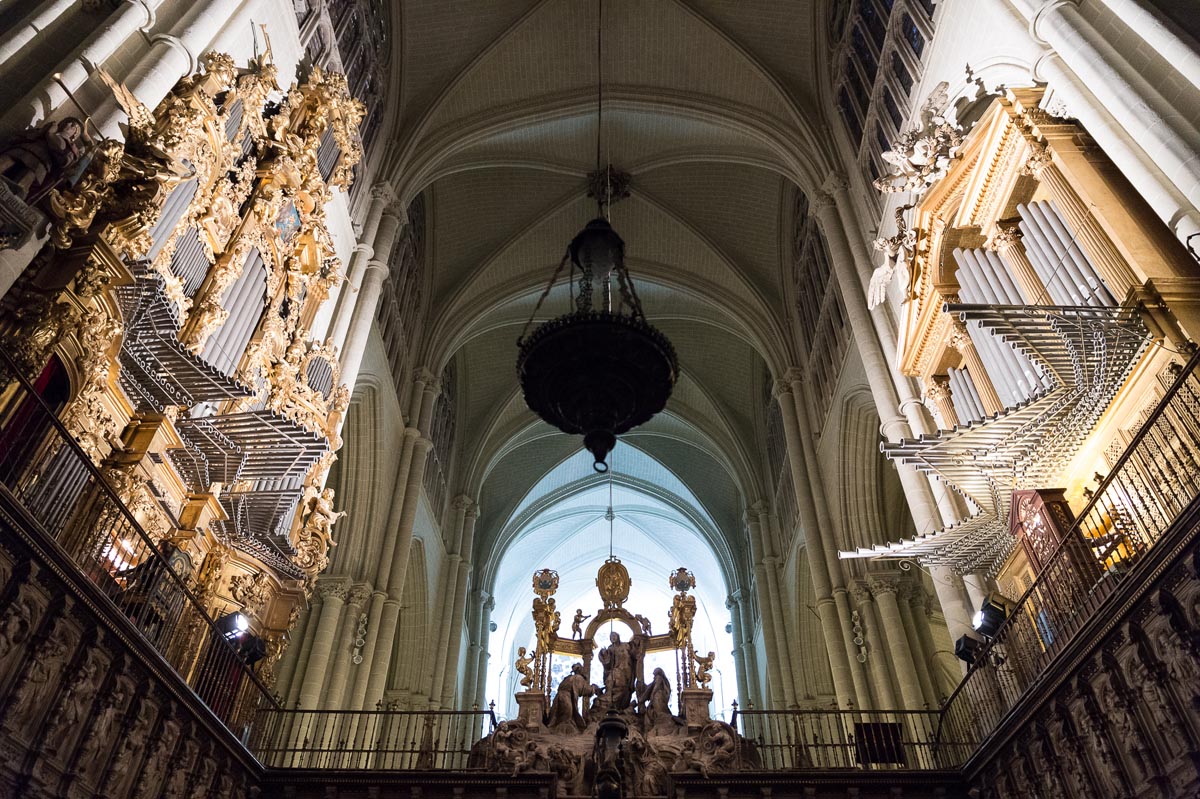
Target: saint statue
(620, 661)
(40, 159)
(565, 710)
(655, 700)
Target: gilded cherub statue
(523, 668)
(703, 666)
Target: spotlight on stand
(991, 615)
(966, 647)
(235, 627)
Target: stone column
(960, 339)
(782, 690)
(840, 610)
(20, 34)
(347, 299)
(296, 670)
(938, 392)
(481, 669)
(335, 693)
(1008, 245)
(474, 626)
(1161, 35)
(881, 678)
(73, 71)
(815, 547)
(291, 658)
(333, 598)
(920, 605)
(917, 490)
(172, 55)
(376, 272)
(1158, 130)
(739, 649)
(883, 588)
(460, 601)
(920, 657)
(449, 590)
(396, 572)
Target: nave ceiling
(715, 115)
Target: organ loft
(599, 398)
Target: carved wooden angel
(897, 254)
(523, 668)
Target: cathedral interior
(599, 398)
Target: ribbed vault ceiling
(712, 107)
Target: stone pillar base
(694, 703)
(531, 709)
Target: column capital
(333, 588)
(1040, 158)
(462, 502)
(1005, 238)
(382, 192)
(759, 507)
(884, 584)
(358, 594)
(960, 337)
(835, 183)
(794, 374)
(781, 387)
(428, 378)
(861, 592)
(937, 389)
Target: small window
(893, 110)
(859, 91)
(913, 36)
(884, 144)
(875, 27)
(903, 76)
(850, 115)
(866, 56)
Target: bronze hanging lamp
(601, 369)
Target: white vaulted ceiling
(712, 107)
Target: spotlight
(991, 615)
(966, 647)
(233, 625)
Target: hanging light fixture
(601, 369)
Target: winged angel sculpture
(919, 159)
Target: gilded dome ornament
(612, 581)
(545, 583)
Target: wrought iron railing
(1150, 485)
(847, 739)
(384, 739)
(44, 471)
